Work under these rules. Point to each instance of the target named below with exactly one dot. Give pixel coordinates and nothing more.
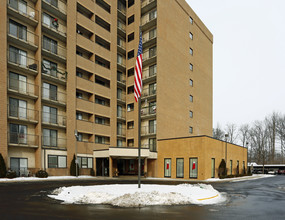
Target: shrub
(3, 170)
(222, 169)
(11, 174)
(73, 167)
(42, 174)
(92, 172)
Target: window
(167, 167)
(18, 134)
(131, 72)
(17, 30)
(130, 125)
(102, 101)
(152, 89)
(50, 137)
(243, 167)
(20, 165)
(231, 167)
(193, 168)
(100, 139)
(79, 136)
(131, 37)
(152, 33)
(131, 3)
(119, 143)
(102, 121)
(191, 66)
(17, 108)
(191, 82)
(191, 98)
(132, 165)
(119, 111)
(55, 161)
(191, 20)
(79, 74)
(17, 82)
(152, 15)
(79, 95)
(131, 54)
(237, 167)
(190, 114)
(152, 70)
(50, 21)
(52, 2)
(49, 68)
(130, 89)
(79, 116)
(191, 51)
(120, 59)
(213, 168)
(152, 51)
(119, 128)
(191, 130)
(179, 167)
(104, 5)
(152, 144)
(49, 91)
(85, 162)
(49, 115)
(152, 108)
(152, 126)
(131, 19)
(191, 36)
(19, 5)
(102, 23)
(17, 56)
(50, 44)
(130, 142)
(130, 107)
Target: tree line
(265, 139)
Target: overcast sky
(249, 60)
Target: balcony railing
(148, 73)
(122, 44)
(151, 147)
(146, 2)
(148, 92)
(122, 62)
(121, 132)
(23, 139)
(24, 35)
(121, 114)
(148, 111)
(23, 113)
(146, 37)
(121, 26)
(54, 48)
(59, 5)
(60, 29)
(22, 61)
(53, 95)
(54, 72)
(25, 10)
(23, 87)
(121, 96)
(121, 78)
(148, 18)
(48, 141)
(121, 8)
(53, 119)
(146, 130)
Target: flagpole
(139, 139)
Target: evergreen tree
(222, 169)
(3, 170)
(73, 167)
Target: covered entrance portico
(124, 161)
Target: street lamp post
(226, 151)
(76, 166)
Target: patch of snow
(129, 195)
(244, 178)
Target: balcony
(121, 132)
(57, 8)
(23, 88)
(148, 112)
(53, 120)
(149, 20)
(151, 147)
(148, 93)
(22, 63)
(53, 97)
(149, 56)
(58, 32)
(26, 14)
(23, 38)
(23, 140)
(121, 11)
(54, 51)
(121, 63)
(56, 75)
(121, 115)
(121, 47)
(148, 131)
(149, 38)
(53, 143)
(149, 75)
(121, 80)
(23, 114)
(121, 97)
(121, 29)
(147, 5)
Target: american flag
(138, 72)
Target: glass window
(193, 168)
(17, 56)
(191, 82)
(213, 168)
(53, 2)
(152, 144)
(79, 116)
(190, 114)
(179, 167)
(152, 15)
(152, 89)
(191, 51)
(191, 98)
(191, 36)
(119, 143)
(152, 126)
(191, 20)
(55, 161)
(17, 30)
(167, 167)
(50, 137)
(49, 115)
(231, 167)
(152, 70)
(18, 134)
(50, 44)
(17, 108)
(61, 161)
(49, 68)
(152, 33)
(191, 130)
(152, 52)
(191, 66)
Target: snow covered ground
(244, 178)
(129, 195)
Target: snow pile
(128, 195)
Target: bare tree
(231, 130)
(259, 142)
(271, 123)
(244, 134)
(218, 133)
(281, 135)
